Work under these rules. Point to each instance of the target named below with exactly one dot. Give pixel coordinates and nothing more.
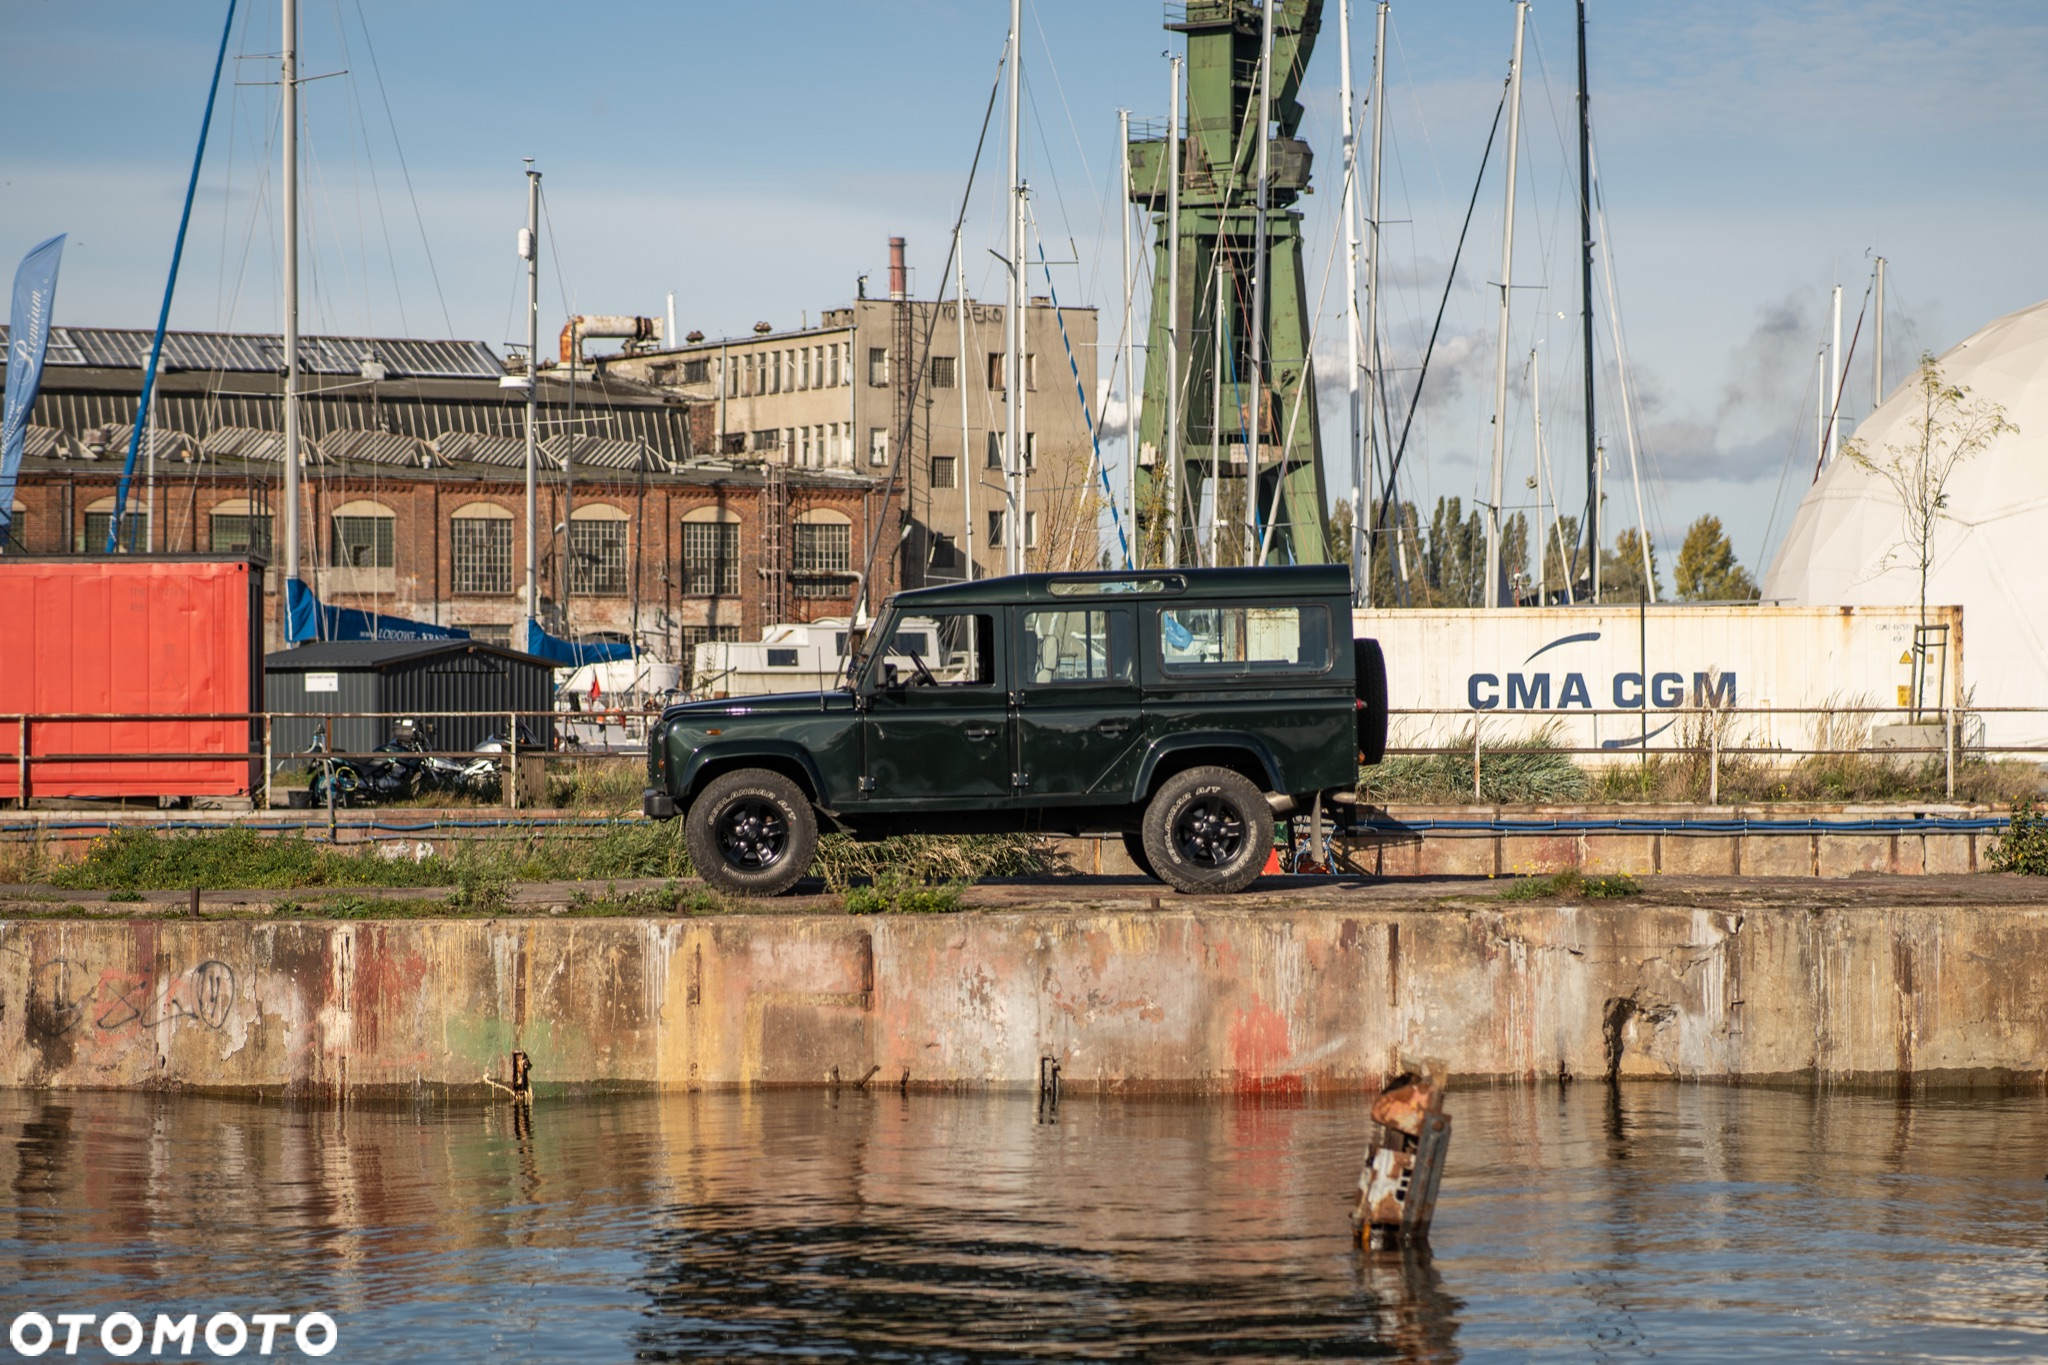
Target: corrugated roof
(122, 348)
(372, 447)
(378, 654)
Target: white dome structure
(1848, 545)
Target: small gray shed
(429, 680)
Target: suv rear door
(1080, 731)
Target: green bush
(2024, 848)
(1531, 770)
(896, 893)
(1572, 882)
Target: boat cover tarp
(308, 618)
(569, 654)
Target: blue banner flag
(28, 337)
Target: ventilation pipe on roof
(633, 331)
(899, 275)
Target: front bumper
(657, 804)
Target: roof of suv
(1283, 581)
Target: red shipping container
(119, 635)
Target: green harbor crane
(1216, 382)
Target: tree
(1707, 571)
(1454, 558)
(1621, 569)
(1951, 428)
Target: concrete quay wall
(1196, 1000)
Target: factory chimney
(899, 283)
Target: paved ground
(1077, 894)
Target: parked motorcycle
(411, 770)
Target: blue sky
(755, 158)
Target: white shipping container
(1508, 668)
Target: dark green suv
(1182, 709)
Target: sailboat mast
(969, 475)
(1170, 462)
(290, 189)
(1360, 592)
(1123, 142)
(529, 248)
(1835, 379)
(1586, 311)
(1013, 396)
(1536, 433)
(1372, 272)
(1253, 549)
(1877, 360)
(1507, 284)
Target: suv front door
(1079, 727)
(941, 732)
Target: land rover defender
(1182, 709)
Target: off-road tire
(1208, 831)
(1134, 847)
(751, 832)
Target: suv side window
(1078, 646)
(1228, 641)
(965, 655)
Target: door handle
(1112, 727)
(979, 731)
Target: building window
(995, 530)
(17, 533)
(995, 370)
(597, 556)
(363, 543)
(482, 550)
(824, 558)
(232, 533)
(995, 450)
(878, 445)
(1030, 370)
(943, 372)
(878, 366)
(1031, 450)
(484, 634)
(1031, 530)
(97, 524)
(942, 471)
(768, 439)
(697, 371)
(945, 555)
(711, 558)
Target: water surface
(1681, 1222)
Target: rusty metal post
(267, 766)
(512, 760)
(21, 764)
(1397, 1189)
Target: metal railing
(262, 731)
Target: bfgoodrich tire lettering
(1208, 830)
(751, 833)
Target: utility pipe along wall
(1200, 1001)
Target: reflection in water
(1686, 1222)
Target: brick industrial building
(715, 488)
(413, 493)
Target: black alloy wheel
(1209, 831)
(752, 835)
